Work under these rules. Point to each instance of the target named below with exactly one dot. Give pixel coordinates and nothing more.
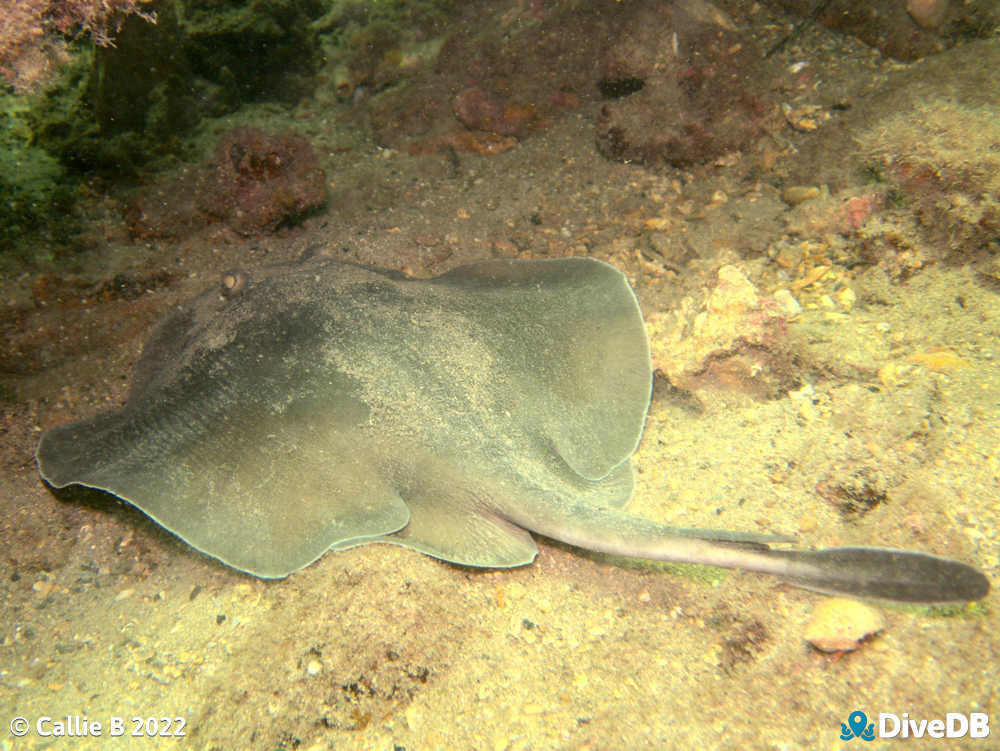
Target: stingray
(323, 405)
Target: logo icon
(857, 727)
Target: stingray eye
(233, 282)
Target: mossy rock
(35, 198)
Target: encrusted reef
(255, 184)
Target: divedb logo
(954, 725)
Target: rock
(733, 340)
(259, 182)
(904, 30)
(493, 80)
(255, 184)
(929, 14)
(841, 625)
(686, 87)
(790, 307)
(478, 109)
(793, 195)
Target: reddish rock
(508, 82)
(733, 339)
(687, 88)
(255, 184)
(259, 182)
(480, 110)
(464, 142)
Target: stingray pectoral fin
(883, 573)
(264, 494)
(571, 343)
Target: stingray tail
(882, 573)
(879, 573)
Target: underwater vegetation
(104, 90)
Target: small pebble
(414, 717)
(892, 374)
(314, 667)
(43, 587)
(790, 307)
(846, 297)
(939, 360)
(840, 625)
(928, 14)
(793, 195)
